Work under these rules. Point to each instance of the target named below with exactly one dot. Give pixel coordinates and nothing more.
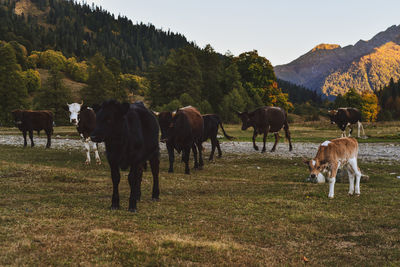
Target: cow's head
(17, 116)
(316, 168)
(246, 119)
(332, 115)
(165, 120)
(109, 118)
(74, 110)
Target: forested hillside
(56, 51)
(81, 30)
(332, 70)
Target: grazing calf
(29, 121)
(344, 117)
(331, 156)
(211, 123)
(182, 130)
(84, 118)
(130, 133)
(264, 120)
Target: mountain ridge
(312, 69)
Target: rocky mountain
(331, 70)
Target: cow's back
(195, 120)
(38, 120)
(338, 149)
(348, 115)
(271, 117)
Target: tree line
(21, 86)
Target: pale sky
(279, 30)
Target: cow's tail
(223, 130)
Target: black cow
(265, 120)
(344, 117)
(182, 130)
(130, 133)
(211, 123)
(85, 120)
(29, 121)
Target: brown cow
(182, 130)
(211, 124)
(264, 120)
(29, 121)
(331, 156)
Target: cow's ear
(96, 107)
(83, 107)
(124, 107)
(66, 107)
(306, 161)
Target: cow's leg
(186, 154)
(213, 145)
(356, 170)
(332, 179)
(171, 157)
(145, 166)
(155, 169)
(31, 137)
(264, 140)
(362, 128)
(115, 176)
(200, 148)
(48, 134)
(218, 147)
(287, 134)
(350, 173)
(254, 140)
(135, 179)
(96, 153)
(196, 163)
(87, 148)
(24, 135)
(276, 141)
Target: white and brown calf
(332, 155)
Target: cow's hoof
(87, 162)
(114, 207)
(132, 210)
(156, 199)
(187, 172)
(330, 197)
(170, 171)
(256, 148)
(219, 156)
(98, 162)
(290, 148)
(357, 195)
(350, 194)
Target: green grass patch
(54, 210)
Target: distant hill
(81, 30)
(332, 70)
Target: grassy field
(301, 132)
(248, 210)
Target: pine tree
(13, 91)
